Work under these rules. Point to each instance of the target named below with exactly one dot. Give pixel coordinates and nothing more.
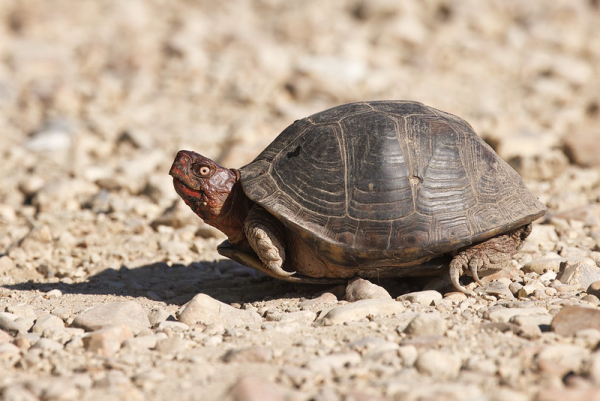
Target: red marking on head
(208, 189)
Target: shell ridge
(464, 138)
(344, 152)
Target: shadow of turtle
(224, 280)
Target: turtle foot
(265, 236)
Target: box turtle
(370, 189)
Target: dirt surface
(99, 258)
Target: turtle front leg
(489, 254)
(265, 235)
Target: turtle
(373, 189)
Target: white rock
(561, 358)
(438, 364)
(323, 299)
(157, 315)
(21, 310)
(25, 322)
(129, 313)
(529, 289)
(62, 334)
(541, 266)
(425, 298)
(173, 345)
(55, 293)
(250, 388)
(427, 324)
(255, 354)
(583, 273)
(548, 276)
(515, 288)
(408, 355)
(140, 343)
(496, 288)
(304, 316)
(372, 345)
(536, 320)
(107, 340)
(8, 324)
(54, 136)
(360, 288)
(360, 309)
(172, 326)
(477, 364)
(501, 314)
(333, 361)
(589, 338)
(47, 344)
(203, 309)
(47, 321)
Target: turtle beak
(180, 170)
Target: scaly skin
(213, 192)
(488, 254)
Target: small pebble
(496, 288)
(360, 309)
(8, 324)
(455, 296)
(408, 355)
(21, 310)
(46, 321)
(334, 361)
(515, 288)
(250, 388)
(107, 340)
(157, 315)
(301, 317)
(323, 299)
(561, 358)
(140, 343)
(47, 344)
(593, 289)
(255, 354)
(438, 364)
(501, 314)
(363, 289)
(172, 345)
(173, 326)
(425, 298)
(427, 324)
(55, 293)
(203, 309)
(129, 313)
(572, 319)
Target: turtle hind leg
(265, 235)
(489, 254)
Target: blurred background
(96, 97)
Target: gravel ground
(111, 289)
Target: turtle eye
(204, 170)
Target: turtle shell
(375, 183)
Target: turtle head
(203, 185)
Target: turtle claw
(279, 271)
(455, 272)
(473, 270)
